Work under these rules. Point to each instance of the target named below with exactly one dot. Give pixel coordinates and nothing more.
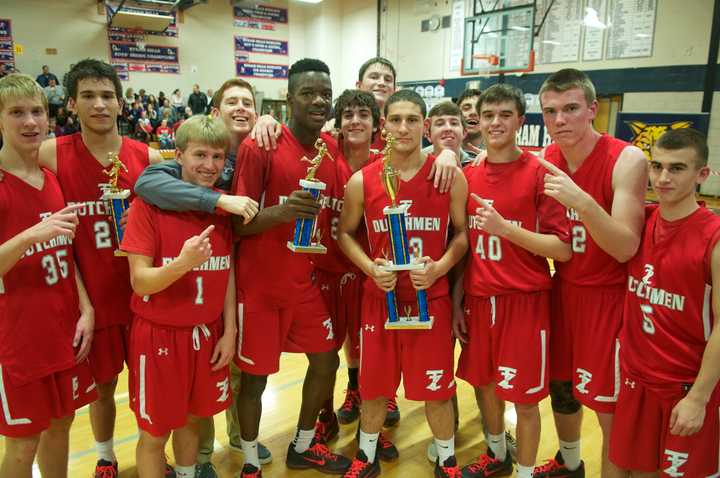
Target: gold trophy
(402, 260)
(116, 199)
(307, 236)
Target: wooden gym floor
(280, 408)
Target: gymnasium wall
(205, 40)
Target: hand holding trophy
(402, 260)
(116, 199)
(307, 236)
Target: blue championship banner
(151, 53)
(264, 46)
(262, 70)
(7, 50)
(122, 71)
(5, 28)
(533, 135)
(261, 12)
(643, 129)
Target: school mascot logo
(645, 135)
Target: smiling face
(356, 125)
(379, 80)
(23, 123)
(96, 105)
(405, 122)
(567, 115)
(311, 99)
(445, 132)
(675, 174)
(201, 163)
(468, 106)
(237, 111)
(499, 122)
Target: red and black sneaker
(556, 468)
(326, 427)
(386, 450)
(250, 471)
(393, 413)
(449, 469)
(361, 468)
(349, 411)
(318, 457)
(106, 469)
(487, 465)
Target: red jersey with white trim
(427, 222)
(496, 265)
(38, 295)
(589, 264)
(264, 263)
(668, 306)
(335, 260)
(197, 297)
(106, 276)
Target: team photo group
(526, 275)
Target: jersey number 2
(102, 235)
(579, 238)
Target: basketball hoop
(485, 59)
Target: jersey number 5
(55, 266)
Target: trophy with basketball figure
(402, 260)
(116, 199)
(307, 236)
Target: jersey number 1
(199, 296)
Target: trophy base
(311, 249)
(410, 323)
(402, 267)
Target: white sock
(185, 471)
(303, 438)
(570, 451)
(250, 449)
(105, 451)
(524, 471)
(368, 444)
(497, 445)
(445, 448)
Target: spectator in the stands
(142, 97)
(129, 96)
(166, 107)
(177, 102)
(61, 116)
(161, 98)
(152, 115)
(55, 95)
(210, 94)
(65, 76)
(44, 78)
(197, 101)
(165, 135)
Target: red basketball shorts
(423, 358)
(267, 330)
(171, 376)
(641, 438)
(108, 353)
(584, 347)
(508, 345)
(342, 294)
(27, 409)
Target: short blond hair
(18, 85)
(569, 79)
(204, 130)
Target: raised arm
(618, 233)
(689, 414)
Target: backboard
(499, 38)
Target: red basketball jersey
(427, 221)
(335, 260)
(668, 306)
(496, 265)
(198, 296)
(106, 276)
(589, 264)
(264, 263)
(38, 296)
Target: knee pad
(562, 399)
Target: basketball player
(601, 182)
(666, 420)
(81, 161)
(340, 281)
(389, 354)
(161, 185)
(445, 129)
(181, 270)
(281, 309)
(467, 102)
(504, 320)
(46, 319)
